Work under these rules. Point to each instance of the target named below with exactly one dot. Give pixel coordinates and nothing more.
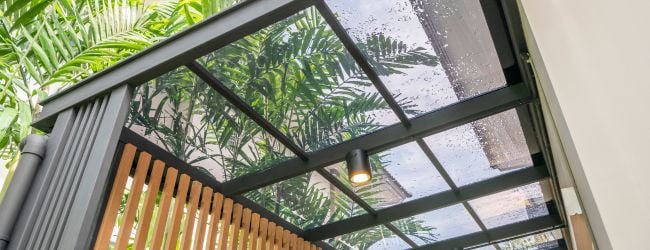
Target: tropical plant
(48, 45)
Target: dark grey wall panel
(64, 205)
(65, 123)
(79, 229)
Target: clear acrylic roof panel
(429, 53)
(514, 205)
(400, 174)
(183, 115)
(375, 238)
(307, 201)
(297, 74)
(441, 224)
(482, 149)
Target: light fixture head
(358, 166)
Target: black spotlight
(358, 166)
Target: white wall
(593, 61)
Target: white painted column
(592, 59)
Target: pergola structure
(87, 129)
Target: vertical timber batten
(187, 226)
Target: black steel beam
(432, 202)
(215, 32)
(507, 231)
(244, 107)
(445, 118)
(508, 12)
(361, 60)
(354, 197)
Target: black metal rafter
(477, 219)
(240, 104)
(432, 202)
(360, 58)
(507, 231)
(437, 121)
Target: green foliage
(48, 45)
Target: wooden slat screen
(167, 209)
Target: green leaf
(7, 117)
(28, 16)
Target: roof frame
(360, 59)
(250, 16)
